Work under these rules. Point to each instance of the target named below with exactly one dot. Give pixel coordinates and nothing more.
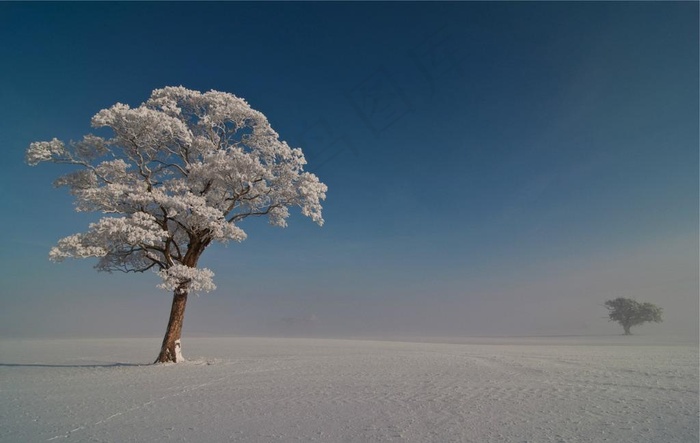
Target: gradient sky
(493, 168)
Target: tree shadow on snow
(87, 365)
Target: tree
(179, 172)
(629, 312)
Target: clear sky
(493, 168)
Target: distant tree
(181, 171)
(629, 312)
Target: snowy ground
(614, 389)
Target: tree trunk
(627, 329)
(170, 351)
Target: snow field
(608, 389)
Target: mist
(546, 298)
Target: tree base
(171, 354)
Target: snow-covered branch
(181, 170)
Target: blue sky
(493, 168)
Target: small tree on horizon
(181, 171)
(629, 312)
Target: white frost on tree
(181, 171)
(199, 279)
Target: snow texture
(178, 352)
(601, 389)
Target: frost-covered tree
(177, 173)
(629, 312)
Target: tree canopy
(629, 312)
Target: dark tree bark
(170, 351)
(627, 329)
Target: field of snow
(599, 389)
